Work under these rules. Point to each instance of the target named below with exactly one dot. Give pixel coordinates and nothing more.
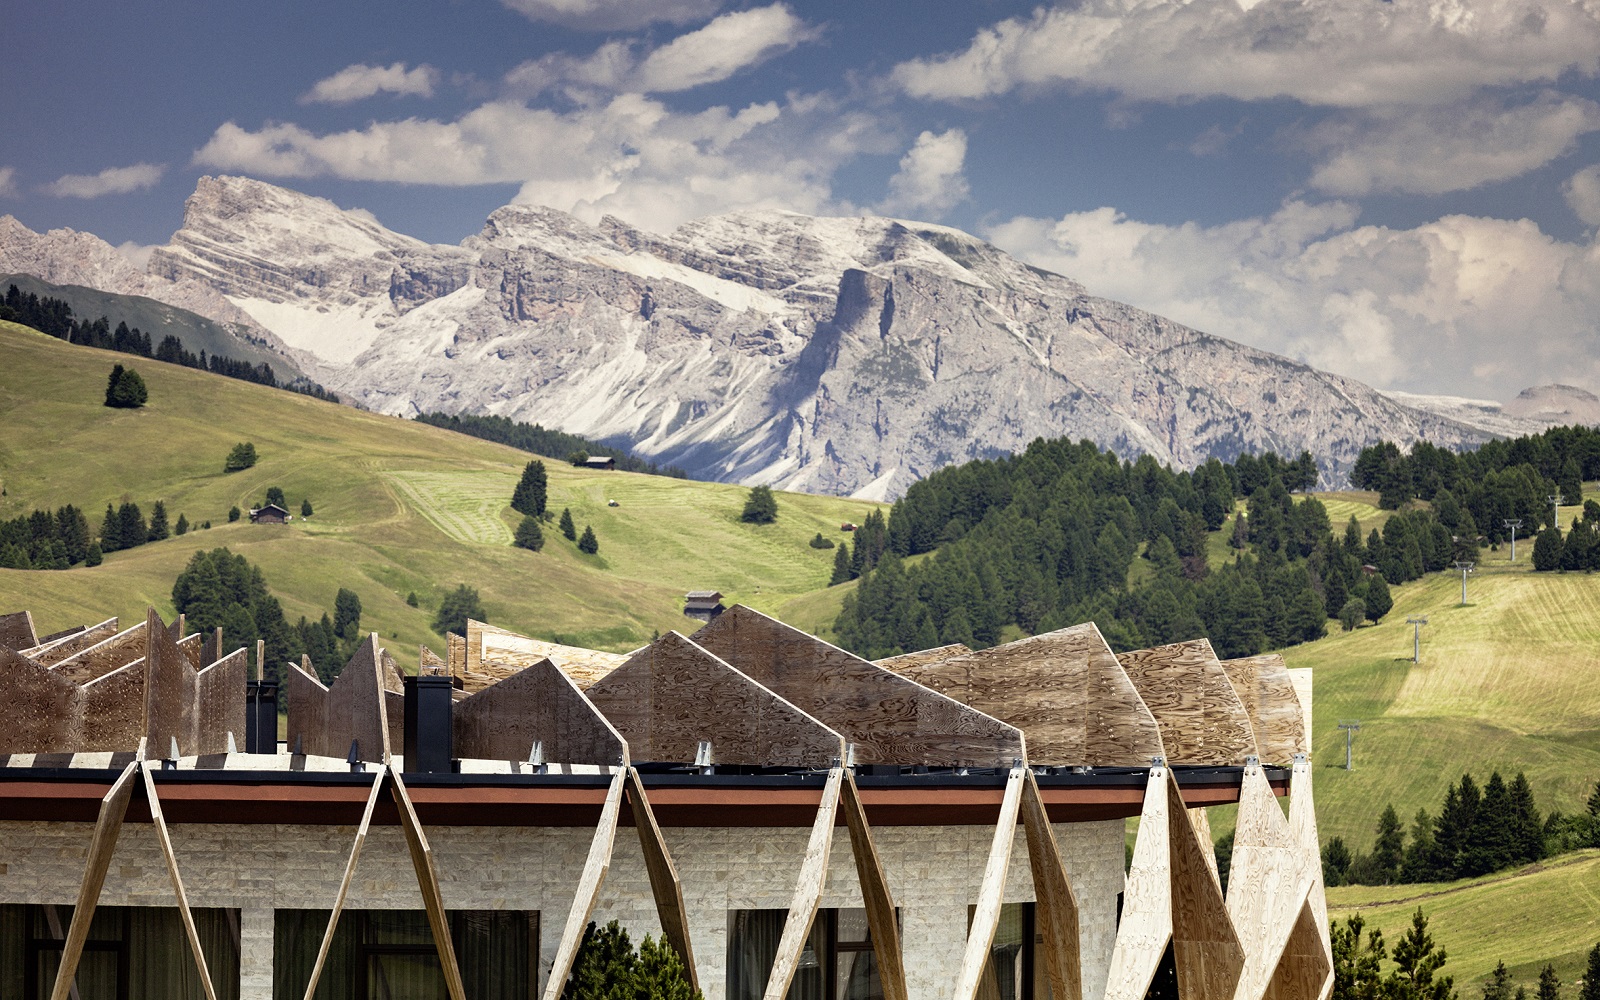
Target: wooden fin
(539, 703)
(1303, 828)
(1200, 819)
(1146, 926)
(664, 882)
(986, 917)
(51, 652)
(807, 891)
(1201, 718)
(170, 687)
(427, 881)
(17, 632)
(1057, 904)
(101, 658)
(594, 873)
(113, 810)
(875, 893)
(344, 883)
(1267, 884)
(1265, 686)
(1205, 948)
(177, 880)
(1304, 969)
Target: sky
(1404, 192)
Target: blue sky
(1404, 192)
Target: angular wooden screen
(1265, 688)
(493, 654)
(538, 703)
(54, 651)
(891, 719)
(324, 720)
(16, 631)
(1064, 689)
(672, 694)
(923, 657)
(107, 655)
(1186, 689)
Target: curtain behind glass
(394, 950)
(161, 964)
(753, 946)
(13, 948)
(296, 936)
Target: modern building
(451, 833)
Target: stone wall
(934, 872)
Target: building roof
(600, 460)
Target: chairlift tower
(1556, 500)
(1465, 566)
(1513, 524)
(1350, 727)
(1416, 637)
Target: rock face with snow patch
(848, 355)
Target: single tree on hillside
(243, 456)
(588, 544)
(530, 494)
(182, 527)
(346, 613)
(529, 535)
(125, 389)
(411, 599)
(761, 507)
(457, 606)
(1417, 964)
(158, 523)
(821, 543)
(1351, 615)
(841, 566)
(569, 531)
(233, 514)
(305, 508)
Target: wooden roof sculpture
(16, 631)
(923, 657)
(890, 719)
(672, 694)
(493, 654)
(155, 694)
(1064, 689)
(1202, 721)
(325, 720)
(537, 704)
(53, 651)
(1267, 691)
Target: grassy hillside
(1544, 913)
(400, 507)
(1506, 682)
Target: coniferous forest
(540, 440)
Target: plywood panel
(53, 652)
(1146, 926)
(219, 707)
(1303, 971)
(1300, 677)
(324, 720)
(665, 885)
(1200, 819)
(103, 843)
(105, 656)
(170, 690)
(538, 703)
(1268, 884)
(1057, 904)
(178, 891)
(595, 867)
(923, 657)
(1186, 689)
(17, 632)
(1064, 689)
(489, 650)
(882, 924)
(113, 711)
(1267, 692)
(672, 694)
(1205, 948)
(889, 718)
(1303, 829)
(427, 882)
(43, 711)
(986, 915)
(807, 891)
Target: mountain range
(832, 355)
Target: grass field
(1545, 913)
(400, 507)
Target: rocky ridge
(841, 355)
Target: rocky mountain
(840, 355)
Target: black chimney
(261, 717)
(430, 729)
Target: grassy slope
(1545, 913)
(398, 508)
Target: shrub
(821, 543)
(243, 456)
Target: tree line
(42, 540)
(541, 440)
(55, 317)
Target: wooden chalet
(600, 462)
(703, 604)
(423, 834)
(270, 514)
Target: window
(132, 953)
(837, 964)
(391, 954)
(1009, 974)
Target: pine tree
(233, 514)
(112, 383)
(1570, 482)
(346, 613)
(660, 973)
(1377, 598)
(1499, 985)
(94, 556)
(110, 531)
(133, 530)
(569, 531)
(242, 456)
(411, 599)
(588, 544)
(1417, 964)
(1591, 976)
(305, 508)
(1356, 963)
(761, 507)
(604, 967)
(1549, 983)
(1388, 848)
(841, 565)
(1335, 862)
(1490, 845)
(530, 494)
(1527, 830)
(1547, 550)
(529, 535)
(275, 496)
(457, 606)
(182, 527)
(1335, 594)
(158, 523)
(126, 390)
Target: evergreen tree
(818, 542)
(660, 974)
(529, 535)
(1388, 848)
(1570, 483)
(569, 531)
(1306, 619)
(841, 566)
(158, 523)
(346, 614)
(1549, 983)
(1335, 862)
(1547, 550)
(94, 556)
(110, 531)
(411, 599)
(233, 514)
(1490, 844)
(1357, 964)
(182, 527)
(457, 606)
(132, 529)
(588, 544)
(126, 389)
(242, 456)
(1591, 976)
(1352, 614)
(761, 507)
(1335, 594)
(111, 384)
(1527, 831)
(1499, 985)
(305, 508)
(1417, 965)
(530, 494)
(275, 496)
(1454, 826)
(604, 967)
(1377, 598)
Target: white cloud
(1343, 54)
(930, 180)
(1437, 150)
(1583, 194)
(614, 15)
(728, 45)
(1475, 306)
(112, 180)
(360, 81)
(8, 182)
(138, 254)
(631, 156)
